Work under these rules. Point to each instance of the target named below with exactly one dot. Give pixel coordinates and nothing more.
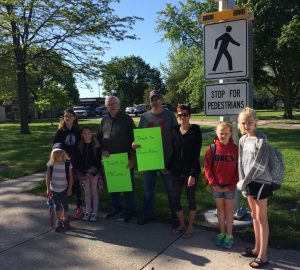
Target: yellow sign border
(226, 15)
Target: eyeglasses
(181, 115)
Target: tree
(128, 78)
(8, 84)
(180, 65)
(54, 98)
(77, 30)
(184, 76)
(181, 25)
(276, 58)
(51, 70)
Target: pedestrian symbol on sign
(225, 39)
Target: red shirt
(224, 169)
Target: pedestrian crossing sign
(226, 50)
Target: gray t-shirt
(166, 120)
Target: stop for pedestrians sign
(225, 99)
(226, 50)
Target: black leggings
(77, 192)
(178, 184)
(61, 200)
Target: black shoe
(114, 214)
(127, 218)
(144, 220)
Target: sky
(148, 47)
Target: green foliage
(53, 97)
(8, 84)
(180, 25)
(276, 58)
(47, 72)
(128, 78)
(276, 65)
(77, 30)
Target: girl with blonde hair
(255, 183)
(59, 182)
(220, 168)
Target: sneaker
(79, 213)
(58, 226)
(220, 239)
(66, 225)
(86, 216)
(114, 214)
(93, 217)
(227, 242)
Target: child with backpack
(255, 182)
(88, 172)
(221, 171)
(68, 133)
(59, 182)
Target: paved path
(27, 242)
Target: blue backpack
(276, 165)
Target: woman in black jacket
(185, 166)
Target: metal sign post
(228, 57)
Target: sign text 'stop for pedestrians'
(226, 99)
(226, 50)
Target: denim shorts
(229, 195)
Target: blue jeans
(149, 193)
(129, 198)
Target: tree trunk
(22, 94)
(20, 57)
(274, 103)
(288, 103)
(288, 111)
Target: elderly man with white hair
(115, 135)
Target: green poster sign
(150, 156)
(116, 173)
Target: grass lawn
(27, 154)
(261, 114)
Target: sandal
(248, 253)
(258, 263)
(178, 231)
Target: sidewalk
(27, 242)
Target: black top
(185, 160)
(69, 138)
(87, 156)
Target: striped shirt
(58, 181)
